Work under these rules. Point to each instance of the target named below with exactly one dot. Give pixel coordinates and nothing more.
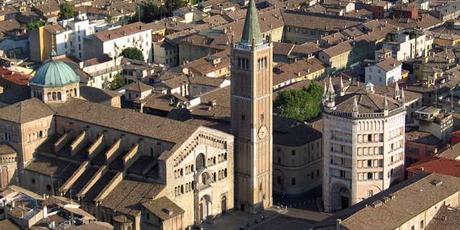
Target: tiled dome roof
(54, 73)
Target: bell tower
(251, 100)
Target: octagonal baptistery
(54, 82)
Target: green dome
(54, 73)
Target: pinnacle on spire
(355, 105)
(341, 82)
(402, 95)
(325, 89)
(386, 103)
(342, 86)
(397, 95)
(331, 86)
(251, 30)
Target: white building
(363, 145)
(113, 42)
(385, 72)
(101, 70)
(407, 44)
(435, 121)
(70, 41)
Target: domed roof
(54, 73)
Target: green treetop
(133, 53)
(66, 11)
(302, 104)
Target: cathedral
(133, 170)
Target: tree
(109, 18)
(132, 53)
(66, 11)
(303, 104)
(149, 11)
(31, 26)
(172, 5)
(116, 83)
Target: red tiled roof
(13, 77)
(437, 165)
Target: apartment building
(113, 41)
(385, 72)
(65, 37)
(408, 44)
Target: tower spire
(331, 86)
(325, 90)
(251, 30)
(403, 97)
(330, 95)
(342, 87)
(385, 102)
(355, 107)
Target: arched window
(49, 96)
(59, 97)
(205, 178)
(200, 161)
(54, 96)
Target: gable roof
(126, 120)
(388, 64)
(138, 87)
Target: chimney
(338, 224)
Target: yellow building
(338, 56)
(43, 41)
(446, 39)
